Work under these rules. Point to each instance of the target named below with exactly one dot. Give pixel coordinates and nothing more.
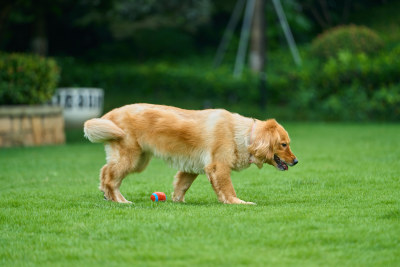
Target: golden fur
(212, 141)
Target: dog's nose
(295, 161)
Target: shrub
(349, 86)
(385, 103)
(27, 79)
(352, 38)
(348, 69)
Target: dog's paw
(239, 201)
(177, 198)
(246, 202)
(118, 200)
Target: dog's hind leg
(111, 177)
(120, 162)
(220, 179)
(182, 183)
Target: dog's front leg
(219, 175)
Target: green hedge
(350, 86)
(183, 85)
(27, 79)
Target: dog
(211, 141)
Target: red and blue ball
(158, 196)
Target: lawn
(339, 206)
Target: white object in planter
(79, 104)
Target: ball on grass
(158, 196)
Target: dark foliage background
(162, 52)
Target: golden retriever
(212, 142)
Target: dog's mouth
(281, 165)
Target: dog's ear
(265, 140)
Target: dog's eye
(284, 144)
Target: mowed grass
(339, 206)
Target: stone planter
(79, 104)
(31, 125)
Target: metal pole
(230, 28)
(286, 30)
(244, 38)
(263, 55)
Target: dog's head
(272, 145)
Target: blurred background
(164, 52)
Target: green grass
(339, 206)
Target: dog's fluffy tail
(102, 130)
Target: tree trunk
(39, 40)
(257, 48)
